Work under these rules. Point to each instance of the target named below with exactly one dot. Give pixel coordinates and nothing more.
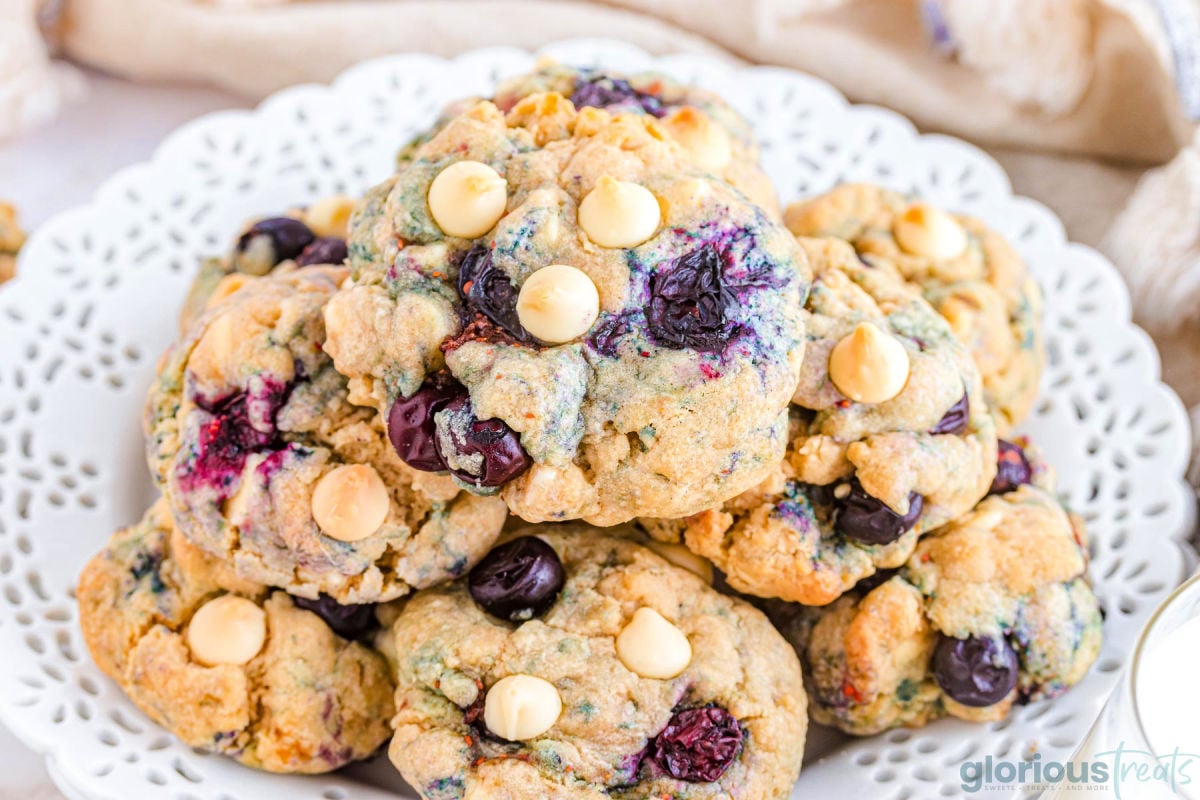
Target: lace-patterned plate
(96, 301)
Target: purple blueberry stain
(325, 250)
(147, 565)
(348, 621)
(956, 420)
(603, 91)
(866, 519)
(517, 581)
(410, 423)
(487, 290)
(976, 671)
(480, 453)
(278, 238)
(698, 745)
(235, 427)
(1012, 468)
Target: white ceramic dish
(96, 302)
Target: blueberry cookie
(557, 306)
(992, 610)
(890, 438)
(266, 463)
(967, 271)
(227, 665)
(303, 237)
(572, 664)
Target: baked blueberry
(698, 744)
(976, 671)
(518, 580)
(603, 91)
(490, 292)
(688, 303)
(481, 452)
(326, 250)
(956, 420)
(865, 519)
(286, 238)
(411, 426)
(1012, 468)
(348, 621)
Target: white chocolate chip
(869, 365)
(330, 216)
(705, 141)
(680, 556)
(227, 630)
(652, 647)
(350, 502)
(841, 491)
(619, 213)
(467, 198)
(558, 303)
(927, 231)
(521, 707)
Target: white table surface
(118, 124)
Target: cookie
(716, 138)
(992, 610)
(12, 239)
(304, 236)
(967, 271)
(267, 464)
(862, 478)
(557, 306)
(227, 665)
(573, 664)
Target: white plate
(96, 302)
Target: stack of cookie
(454, 466)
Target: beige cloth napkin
(1085, 76)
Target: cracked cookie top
(266, 463)
(575, 664)
(591, 326)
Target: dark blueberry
(606, 332)
(974, 671)
(503, 458)
(875, 580)
(518, 580)
(698, 744)
(489, 291)
(955, 420)
(861, 517)
(288, 237)
(688, 303)
(326, 250)
(601, 91)
(1012, 469)
(347, 621)
(410, 421)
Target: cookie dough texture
(619, 422)
(983, 289)
(715, 136)
(452, 652)
(779, 539)
(308, 702)
(1015, 566)
(245, 418)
